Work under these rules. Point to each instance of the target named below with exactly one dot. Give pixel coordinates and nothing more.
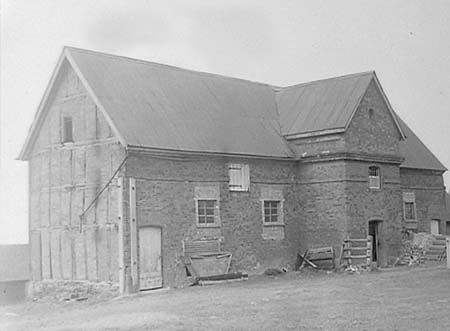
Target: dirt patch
(394, 299)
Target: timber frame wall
(64, 179)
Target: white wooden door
(434, 227)
(150, 271)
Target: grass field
(394, 299)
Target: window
(371, 111)
(239, 177)
(206, 212)
(67, 129)
(410, 211)
(374, 177)
(272, 212)
(409, 205)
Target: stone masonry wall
(321, 200)
(64, 178)
(428, 187)
(372, 133)
(384, 205)
(166, 197)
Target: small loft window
(374, 177)
(371, 111)
(239, 175)
(67, 129)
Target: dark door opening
(373, 234)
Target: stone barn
(130, 161)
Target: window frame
(412, 209)
(409, 198)
(279, 212)
(374, 178)
(216, 215)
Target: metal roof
(151, 105)
(324, 106)
(416, 154)
(159, 106)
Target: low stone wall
(59, 290)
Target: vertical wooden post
(133, 235)
(369, 250)
(120, 235)
(448, 252)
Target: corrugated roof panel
(154, 105)
(416, 154)
(321, 105)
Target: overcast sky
(278, 42)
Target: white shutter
(239, 177)
(235, 175)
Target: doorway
(434, 226)
(150, 270)
(374, 240)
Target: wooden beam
(133, 235)
(120, 235)
(448, 253)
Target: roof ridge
(167, 66)
(363, 73)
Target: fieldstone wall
(429, 190)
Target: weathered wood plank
(133, 233)
(66, 255)
(35, 255)
(120, 238)
(46, 259)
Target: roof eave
(176, 152)
(93, 95)
(38, 117)
(292, 136)
(441, 170)
(40, 113)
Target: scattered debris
(226, 278)
(318, 258)
(421, 248)
(274, 271)
(355, 269)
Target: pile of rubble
(413, 253)
(417, 250)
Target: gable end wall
(376, 135)
(64, 179)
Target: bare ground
(395, 299)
